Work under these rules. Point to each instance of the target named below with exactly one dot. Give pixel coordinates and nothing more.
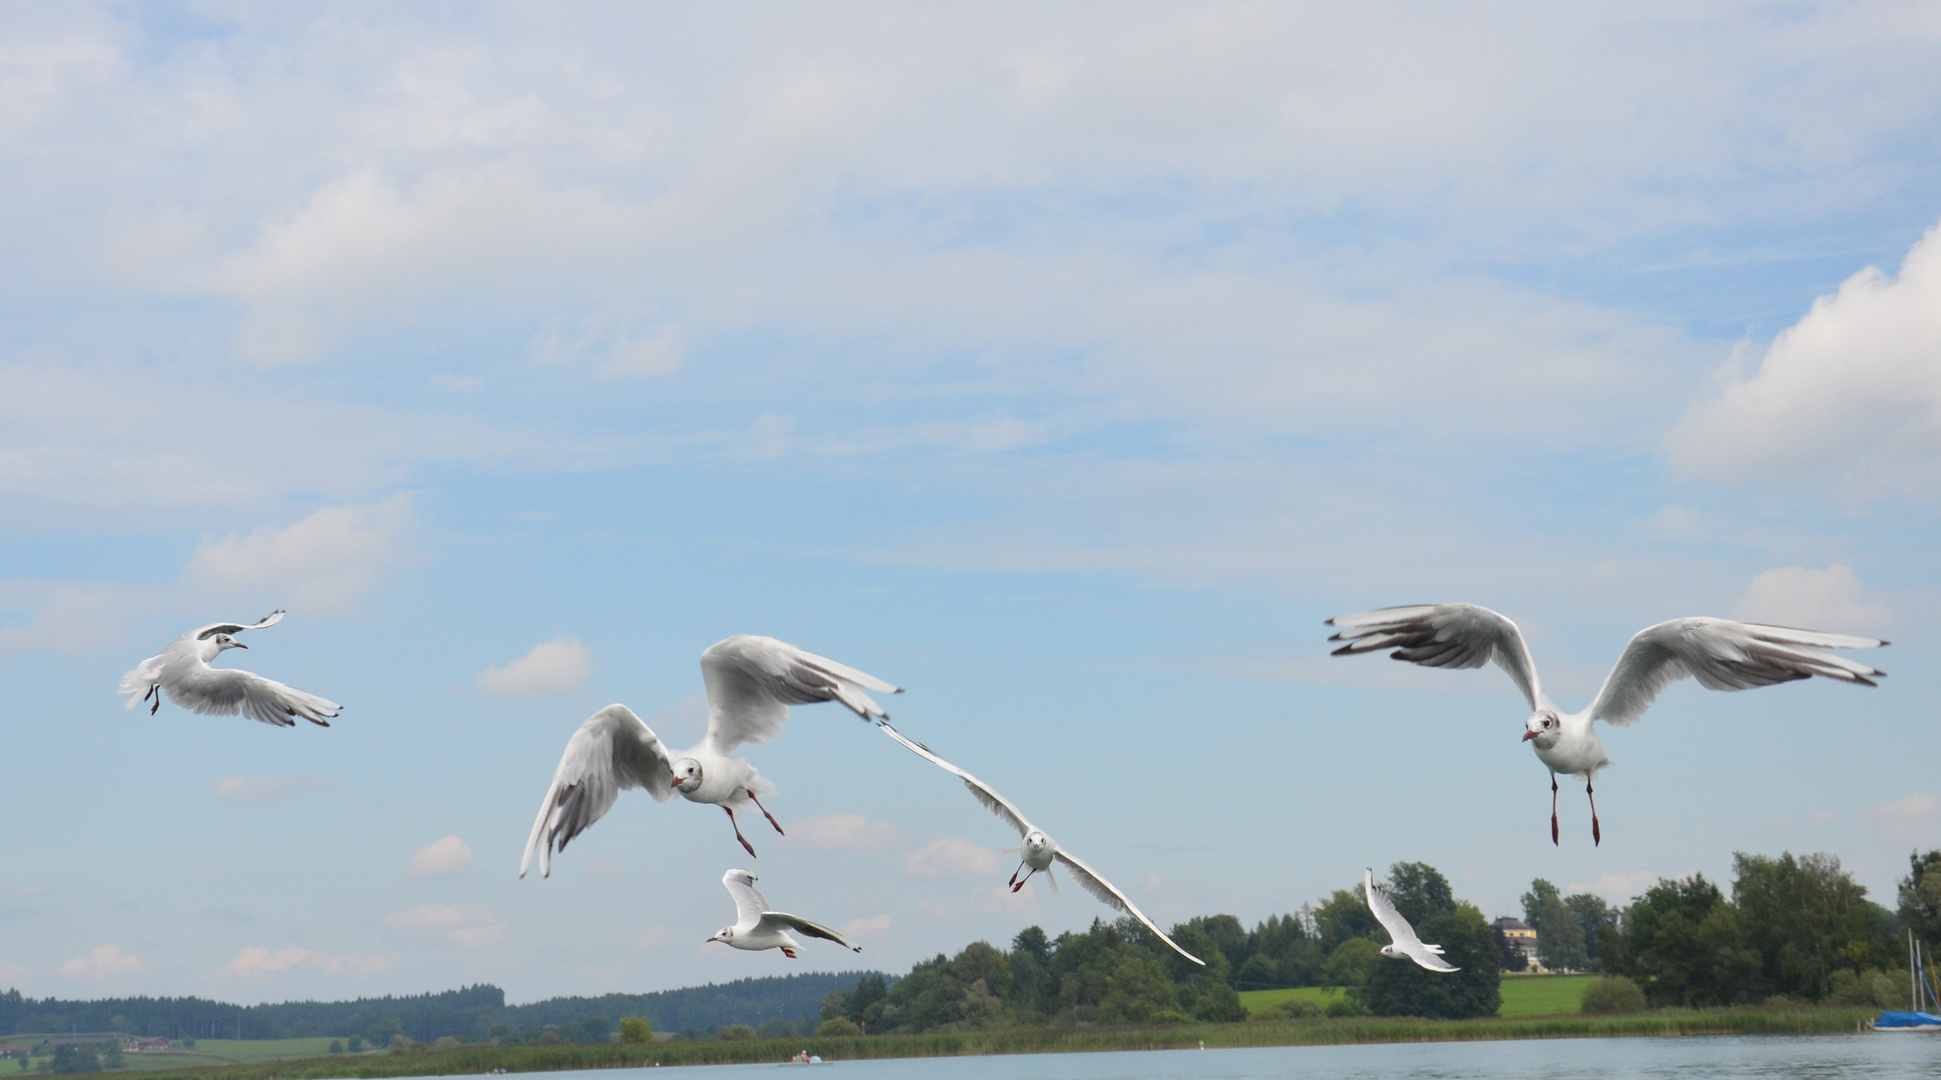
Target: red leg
(1597, 834)
(738, 836)
(1553, 809)
(788, 952)
(1019, 884)
(155, 691)
(765, 813)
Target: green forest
(1789, 929)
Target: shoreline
(478, 1059)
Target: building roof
(1509, 922)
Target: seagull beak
(675, 784)
(240, 645)
(1528, 735)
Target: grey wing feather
(229, 691)
(1722, 655)
(611, 752)
(994, 802)
(1110, 896)
(1443, 635)
(750, 904)
(202, 633)
(1399, 930)
(753, 680)
(784, 921)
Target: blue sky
(1067, 368)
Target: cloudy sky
(1065, 366)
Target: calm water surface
(1822, 1057)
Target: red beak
(677, 783)
(1528, 735)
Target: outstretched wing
(753, 680)
(1443, 635)
(1392, 921)
(749, 902)
(228, 691)
(204, 633)
(997, 804)
(1109, 895)
(779, 920)
(1722, 655)
(611, 752)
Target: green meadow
(1523, 995)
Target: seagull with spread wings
(1039, 850)
(751, 683)
(1720, 653)
(1402, 939)
(182, 672)
(757, 928)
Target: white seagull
(751, 683)
(1039, 850)
(182, 671)
(1719, 653)
(757, 928)
(1403, 941)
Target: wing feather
(203, 633)
(1722, 655)
(1109, 895)
(781, 920)
(229, 691)
(753, 680)
(1443, 635)
(994, 802)
(610, 753)
(750, 904)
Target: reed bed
(475, 1059)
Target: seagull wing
(778, 920)
(203, 633)
(1443, 635)
(753, 680)
(228, 691)
(1110, 896)
(1399, 930)
(995, 803)
(1722, 655)
(611, 752)
(750, 904)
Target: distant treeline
(475, 1013)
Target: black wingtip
(1344, 650)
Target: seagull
(1402, 939)
(1720, 653)
(1039, 850)
(751, 683)
(182, 671)
(757, 928)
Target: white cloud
(68, 617)
(466, 925)
(872, 926)
(1831, 599)
(326, 562)
(441, 858)
(256, 962)
(103, 962)
(1911, 809)
(1852, 391)
(266, 788)
(950, 858)
(1619, 888)
(658, 355)
(845, 832)
(547, 668)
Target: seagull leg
(1597, 834)
(788, 952)
(1014, 882)
(1553, 809)
(744, 840)
(1020, 884)
(155, 689)
(765, 813)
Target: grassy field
(1523, 995)
(1363, 1029)
(207, 1052)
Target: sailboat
(1924, 992)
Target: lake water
(1821, 1057)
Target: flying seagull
(757, 928)
(1402, 939)
(751, 683)
(182, 671)
(1039, 850)
(1719, 653)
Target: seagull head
(722, 935)
(687, 775)
(1391, 951)
(1544, 728)
(227, 641)
(1035, 842)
